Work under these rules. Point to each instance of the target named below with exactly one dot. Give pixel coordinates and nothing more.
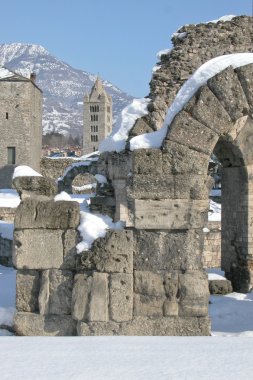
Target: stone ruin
(148, 278)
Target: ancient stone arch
(170, 186)
(148, 278)
(85, 167)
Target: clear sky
(118, 39)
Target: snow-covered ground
(126, 358)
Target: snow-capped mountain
(63, 86)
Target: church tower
(97, 117)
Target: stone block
(121, 297)
(99, 298)
(35, 187)
(242, 135)
(245, 75)
(148, 306)
(27, 290)
(151, 186)
(193, 187)
(90, 297)
(207, 109)
(180, 159)
(228, 89)
(194, 294)
(80, 296)
(170, 309)
(189, 132)
(70, 238)
(146, 326)
(38, 249)
(160, 250)
(33, 214)
(30, 324)
(98, 328)
(119, 165)
(173, 214)
(149, 283)
(111, 254)
(56, 292)
(146, 161)
(220, 286)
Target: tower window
(11, 155)
(6, 115)
(108, 109)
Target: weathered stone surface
(140, 126)
(35, 187)
(98, 328)
(33, 250)
(206, 108)
(27, 290)
(111, 254)
(99, 298)
(178, 158)
(227, 88)
(148, 306)
(151, 186)
(170, 308)
(30, 324)
(160, 250)
(70, 238)
(188, 131)
(170, 326)
(118, 165)
(146, 161)
(194, 294)
(80, 296)
(56, 292)
(245, 75)
(193, 186)
(170, 213)
(90, 298)
(242, 135)
(33, 214)
(149, 283)
(220, 286)
(121, 297)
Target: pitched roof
(98, 90)
(6, 74)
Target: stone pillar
(45, 239)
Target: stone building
(20, 124)
(97, 117)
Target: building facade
(20, 124)
(97, 117)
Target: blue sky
(115, 38)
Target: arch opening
(234, 154)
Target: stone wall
(108, 290)
(212, 246)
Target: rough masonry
(148, 279)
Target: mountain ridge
(63, 86)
